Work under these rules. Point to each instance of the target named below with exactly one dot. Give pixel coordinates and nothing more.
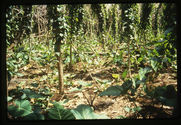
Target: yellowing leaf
(116, 76)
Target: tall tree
(128, 21)
(99, 10)
(146, 10)
(75, 22)
(155, 19)
(59, 26)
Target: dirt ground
(112, 106)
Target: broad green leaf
(112, 91)
(168, 102)
(59, 113)
(34, 116)
(31, 94)
(117, 90)
(86, 112)
(143, 71)
(21, 108)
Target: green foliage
(58, 21)
(86, 112)
(17, 59)
(145, 15)
(18, 21)
(143, 72)
(117, 90)
(22, 108)
(67, 23)
(59, 113)
(75, 18)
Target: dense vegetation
(91, 61)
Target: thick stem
(129, 63)
(60, 70)
(30, 48)
(70, 65)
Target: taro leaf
(86, 112)
(127, 85)
(112, 91)
(59, 113)
(168, 102)
(32, 94)
(21, 108)
(117, 90)
(34, 116)
(143, 71)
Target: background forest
(91, 61)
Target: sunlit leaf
(59, 113)
(86, 112)
(21, 108)
(116, 76)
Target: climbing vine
(18, 23)
(59, 29)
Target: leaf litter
(82, 91)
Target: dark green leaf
(59, 113)
(32, 94)
(86, 112)
(21, 108)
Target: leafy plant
(59, 113)
(143, 72)
(117, 90)
(20, 109)
(86, 112)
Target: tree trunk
(30, 48)
(60, 68)
(129, 63)
(70, 64)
